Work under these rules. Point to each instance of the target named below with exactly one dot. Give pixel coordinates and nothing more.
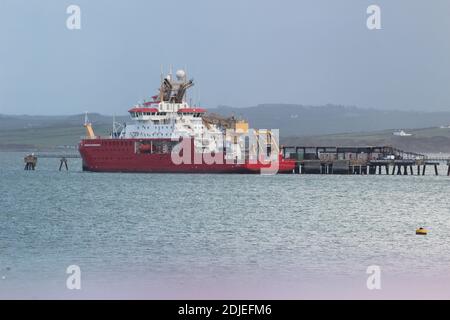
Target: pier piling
(30, 162)
(63, 162)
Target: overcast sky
(239, 52)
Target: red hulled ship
(169, 136)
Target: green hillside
(422, 140)
(46, 137)
(315, 126)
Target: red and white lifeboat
(143, 109)
(140, 109)
(191, 111)
(149, 103)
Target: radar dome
(181, 74)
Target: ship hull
(121, 155)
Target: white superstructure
(168, 116)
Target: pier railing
(58, 155)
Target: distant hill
(299, 125)
(425, 140)
(298, 120)
(292, 120)
(8, 122)
(24, 132)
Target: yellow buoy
(421, 231)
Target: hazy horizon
(240, 54)
(213, 109)
(224, 107)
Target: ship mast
(174, 90)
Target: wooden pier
(366, 160)
(31, 160)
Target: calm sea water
(220, 236)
